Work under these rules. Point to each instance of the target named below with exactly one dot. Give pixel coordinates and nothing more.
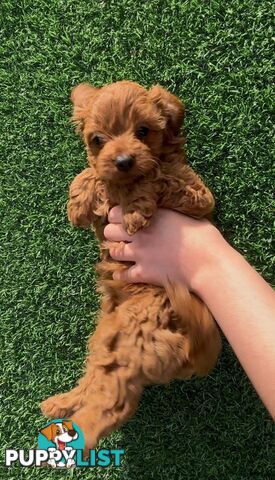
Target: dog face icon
(60, 433)
(61, 438)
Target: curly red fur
(145, 334)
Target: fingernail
(106, 232)
(114, 214)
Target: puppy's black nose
(124, 162)
(71, 433)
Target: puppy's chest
(119, 195)
(162, 190)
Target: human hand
(174, 247)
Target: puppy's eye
(98, 141)
(142, 132)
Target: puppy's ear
(81, 96)
(48, 432)
(170, 106)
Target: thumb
(131, 275)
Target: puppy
(145, 334)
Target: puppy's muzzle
(124, 162)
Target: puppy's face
(125, 127)
(60, 433)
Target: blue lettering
(103, 458)
(92, 458)
(79, 460)
(117, 454)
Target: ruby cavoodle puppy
(145, 334)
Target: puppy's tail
(199, 326)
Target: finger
(116, 232)
(123, 252)
(115, 215)
(133, 274)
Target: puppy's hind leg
(108, 407)
(115, 379)
(108, 394)
(63, 405)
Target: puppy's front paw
(201, 202)
(195, 195)
(133, 222)
(80, 212)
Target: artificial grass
(217, 57)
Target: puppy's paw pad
(134, 222)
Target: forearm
(243, 305)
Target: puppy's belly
(143, 328)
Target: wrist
(211, 261)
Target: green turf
(217, 56)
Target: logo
(61, 445)
(61, 438)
